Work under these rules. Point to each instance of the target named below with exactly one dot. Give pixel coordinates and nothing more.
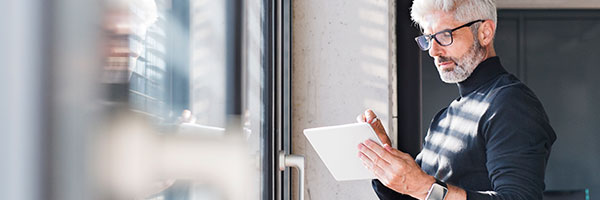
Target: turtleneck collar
(484, 72)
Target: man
(492, 142)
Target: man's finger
(380, 174)
(392, 150)
(365, 160)
(375, 169)
(370, 115)
(397, 152)
(361, 118)
(372, 156)
(379, 151)
(371, 118)
(365, 153)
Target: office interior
(207, 99)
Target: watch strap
(441, 183)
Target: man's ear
(486, 32)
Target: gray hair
(463, 10)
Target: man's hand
(370, 117)
(395, 169)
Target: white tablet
(337, 147)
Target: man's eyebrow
(423, 32)
(446, 29)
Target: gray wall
(340, 66)
(547, 4)
(558, 60)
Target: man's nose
(436, 49)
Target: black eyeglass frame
(434, 36)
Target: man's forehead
(437, 21)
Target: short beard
(464, 66)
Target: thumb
(380, 131)
(369, 115)
(360, 118)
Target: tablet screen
(337, 148)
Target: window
(167, 56)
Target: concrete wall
(340, 66)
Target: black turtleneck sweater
(493, 140)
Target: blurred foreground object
(131, 158)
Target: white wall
(340, 66)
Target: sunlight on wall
(340, 67)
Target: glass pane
(253, 105)
(166, 61)
(207, 71)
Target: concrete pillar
(341, 65)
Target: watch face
(437, 192)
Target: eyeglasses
(443, 38)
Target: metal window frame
(283, 91)
(276, 97)
(268, 100)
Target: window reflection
(207, 72)
(166, 61)
(253, 86)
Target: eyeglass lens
(443, 38)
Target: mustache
(442, 59)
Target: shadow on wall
(340, 67)
(375, 54)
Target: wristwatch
(438, 191)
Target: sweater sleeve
(385, 193)
(518, 139)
